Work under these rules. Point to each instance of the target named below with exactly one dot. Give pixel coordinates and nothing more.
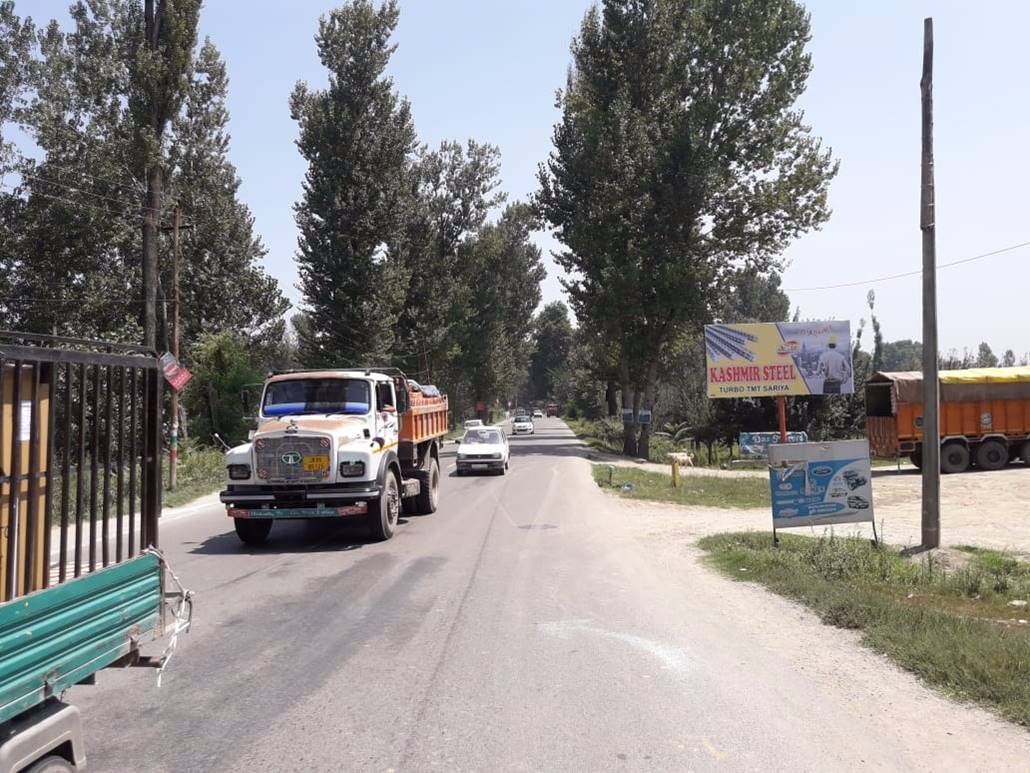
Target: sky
(489, 70)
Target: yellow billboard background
(778, 359)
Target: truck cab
(337, 443)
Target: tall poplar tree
(358, 138)
(680, 158)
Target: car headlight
(496, 456)
(238, 471)
(352, 469)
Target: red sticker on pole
(176, 375)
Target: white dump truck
(348, 443)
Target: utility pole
(173, 450)
(931, 514)
(152, 198)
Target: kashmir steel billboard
(777, 359)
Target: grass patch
(951, 626)
(201, 471)
(707, 490)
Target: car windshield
(483, 436)
(522, 418)
(316, 395)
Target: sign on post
(176, 375)
(820, 483)
(755, 445)
(777, 359)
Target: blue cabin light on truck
(286, 409)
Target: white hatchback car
(538, 414)
(522, 425)
(483, 449)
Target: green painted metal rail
(55, 638)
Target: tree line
(408, 254)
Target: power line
(78, 204)
(72, 188)
(907, 273)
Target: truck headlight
(239, 471)
(352, 469)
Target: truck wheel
(992, 455)
(954, 458)
(429, 488)
(1025, 452)
(51, 764)
(385, 510)
(916, 457)
(253, 531)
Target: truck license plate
(316, 463)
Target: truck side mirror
(245, 401)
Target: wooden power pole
(931, 514)
(173, 450)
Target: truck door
(386, 411)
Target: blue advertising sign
(820, 483)
(755, 445)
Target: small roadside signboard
(820, 483)
(755, 445)
(176, 375)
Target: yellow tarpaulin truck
(984, 417)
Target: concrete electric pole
(931, 513)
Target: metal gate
(80, 457)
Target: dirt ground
(986, 509)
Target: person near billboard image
(834, 368)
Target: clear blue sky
(488, 70)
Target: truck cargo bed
(55, 638)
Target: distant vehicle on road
(522, 425)
(538, 414)
(552, 409)
(473, 423)
(483, 449)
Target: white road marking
(672, 658)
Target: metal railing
(80, 459)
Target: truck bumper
(317, 511)
(301, 496)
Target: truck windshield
(316, 395)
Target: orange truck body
(983, 411)
(425, 419)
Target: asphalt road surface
(520, 628)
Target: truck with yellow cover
(347, 443)
(984, 416)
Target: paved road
(521, 627)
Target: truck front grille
(284, 459)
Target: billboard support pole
(931, 505)
(781, 409)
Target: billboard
(777, 359)
(820, 483)
(755, 445)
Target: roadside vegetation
(201, 471)
(951, 623)
(705, 490)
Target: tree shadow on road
(293, 537)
